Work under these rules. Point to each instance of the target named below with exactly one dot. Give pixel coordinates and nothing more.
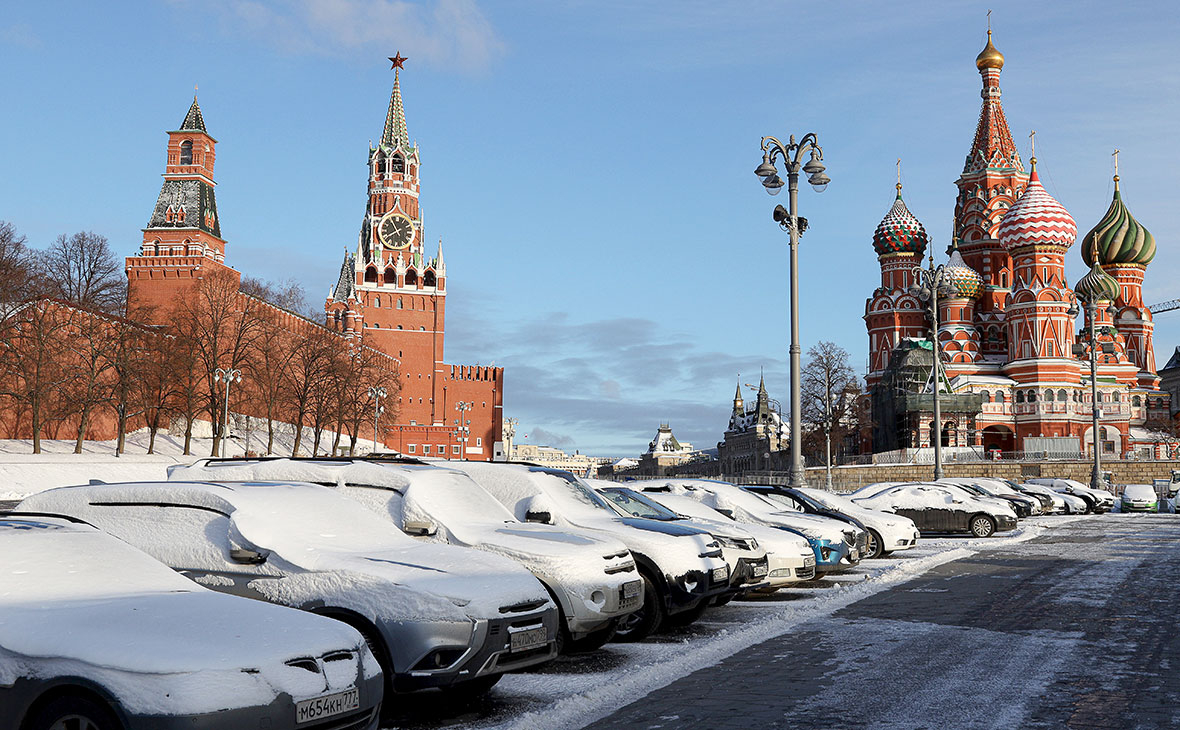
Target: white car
(943, 508)
(833, 542)
(789, 556)
(682, 568)
(1097, 500)
(746, 558)
(592, 577)
(1022, 504)
(435, 615)
(1070, 503)
(889, 531)
(95, 634)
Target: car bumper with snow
(1138, 505)
(585, 614)
(687, 591)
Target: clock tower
(389, 293)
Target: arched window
(371, 275)
(186, 152)
(1117, 399)
(397, 164)
(1061, 397)
(987, 397)
(1032, 396)
(422, 329)
(399, 302)
(1004, 278)
(411, 277)
(377, 302)
(1137, 401)
(400, 327)
(390, 276)
(948, 433)
(1049, 396)
(1000, 397)
(1020, 396)
(428, 279)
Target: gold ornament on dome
(989, 57)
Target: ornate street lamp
(376, 393)
(1095, 287)
(230, 376)
(933, 282)
(788, 219)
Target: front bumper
(1137, 506)
(488, 650)
(749, 570)
(687, 591)
(903, 541)
(1004, 523)
(583, 616)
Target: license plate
(632, 589)
(529, 639)
(327, 706)
(760, 571)
(720, 574)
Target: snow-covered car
(1097, 500)
(1139, 498)
(794, 500)
(943, 508)
(434, 615)
(789, 556)
(1065, 503)
(832, 541)
(746, 558)
(887, 532)
(592, 578)
(96, 635)
(682, 567)
(1022, 505)
(1051, 502)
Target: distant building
(1170, 380)
(555, 458)
(664, 452)
(756, 439)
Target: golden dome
(989, 57)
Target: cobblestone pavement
(1075, 629)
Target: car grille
(356, 721)
(522, 607)
(805, 573)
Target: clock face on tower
(396, 230)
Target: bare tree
(90, 381)
(310, 362)
(268, 370)
(19, 276)
(826, 380)
(81, 269)
(158, 385)
(366, 368)
(288, 295)
(34, 357)
(222, 326)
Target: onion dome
(989, 57)
(1097, 286)
(1118, 237)
(899, 231)
(966, 281)
(1037, 219)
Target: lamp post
(463, 426)
(230, 376)
(376, 393)
(1091, 308)
(788, 219)
(931, 283)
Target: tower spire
(396, 134)
(993, 145)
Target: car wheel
(590, 642)
(982, 526)
(875, 546)
(640, 624)
(73, 713)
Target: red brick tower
(182, 241)
(388, 291)
(892, 313)
(992, 179)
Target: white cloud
(446, 33)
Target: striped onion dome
(965, 280)
(1037, 219)
(899, 231)
(1097, 286)
(1119, 237)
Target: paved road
(1076, 629)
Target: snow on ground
(573, 692)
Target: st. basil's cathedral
(1012, 379)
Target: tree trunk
(152, 428)
(298, 436)
(270, 436)
(188, 436)
(122, 439)
(82, 421)
(36, 426)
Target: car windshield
(637, 505)
(828, 499)
(781, 500)
(453, 499)
(572, 494)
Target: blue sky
(589, 165)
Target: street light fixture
(376, 393)
(463, 426)
(1090, 302)
(788, 219)
(933, 282)
(230, 376)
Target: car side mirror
(246, 556)
(545, 518)
(420, 529)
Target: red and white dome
(1037, 219)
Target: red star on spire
(397, 60)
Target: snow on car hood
(933, 497)
(750, 508)
(123, 619)
(871, 517)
